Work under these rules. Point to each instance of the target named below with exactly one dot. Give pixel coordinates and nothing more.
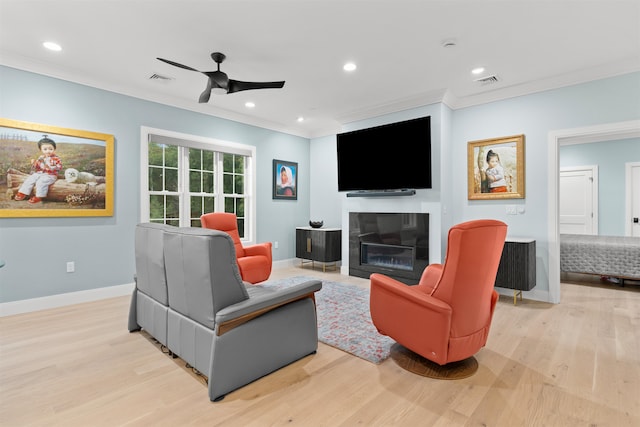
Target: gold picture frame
(503, 178)
(84, 184)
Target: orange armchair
(254, 261)
(446, 317)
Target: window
(187, 176)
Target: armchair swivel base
(413, 362)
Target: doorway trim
(606, 132)
(628, 208)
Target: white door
(579, 200)
(633, 199)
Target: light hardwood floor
(575, 363)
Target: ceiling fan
(220, 80)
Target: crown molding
(37, 67)
(332, 127)
(407, 103)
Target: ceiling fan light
(218, 91)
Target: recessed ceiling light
(300, 119)
(52, 46)
(349, 66)
(477, 70)
(249, 104)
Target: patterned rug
(344, 321)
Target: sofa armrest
(263, 249)
(430, 278)
(396, 289)
(262, 300)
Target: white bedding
(615, 256)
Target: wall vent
(489, 80)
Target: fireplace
(394, 244)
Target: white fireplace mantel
(393, 204)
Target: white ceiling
(396, 44)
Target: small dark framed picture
(285, 180)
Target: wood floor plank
(574, 363)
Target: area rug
(344, 321)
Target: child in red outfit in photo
(495, 173)
(44, 172)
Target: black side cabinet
(517, 268)
(322, 245)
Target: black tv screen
(389, 157)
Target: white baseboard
(54, 301)
(284, 263)
(61, 300)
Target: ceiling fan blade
(204, 97)
(175, 64)
(219, 80)
(237, 86)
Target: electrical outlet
(275, 244)
(511, 210)
(71, 267)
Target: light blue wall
(599, 102)
(36, 250)
(103, 247)
(604, 101)
(327, 203)
(610, 157)
(446, 183)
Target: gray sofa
(190, 297)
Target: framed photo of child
(285, 180)
(495, 168)
(50, 171)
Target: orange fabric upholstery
(446, 317)
(254, 261)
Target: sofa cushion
(202, 274)
(149, 253)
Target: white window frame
(204, 143)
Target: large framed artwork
(495, 168)
(285, 180)
(50, 171)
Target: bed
(613, 256)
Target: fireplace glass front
(390, 256)
(395, 244)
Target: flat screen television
(395, 156)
